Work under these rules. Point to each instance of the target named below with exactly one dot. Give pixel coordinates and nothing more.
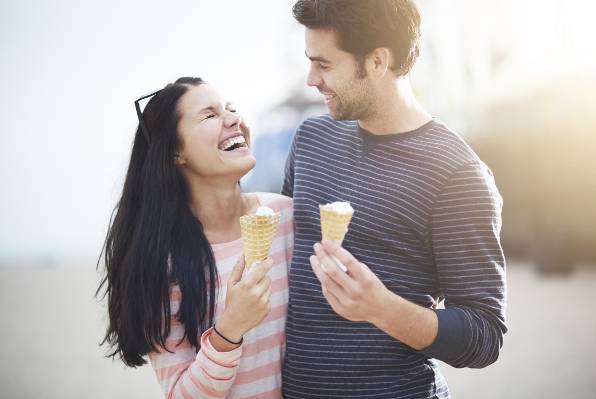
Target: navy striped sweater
(427, 222)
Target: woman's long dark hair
(155, 241)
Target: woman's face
(214, 142)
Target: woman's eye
(232, 110)
(210, 116)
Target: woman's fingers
(248, 297)
(263, 285)
(257, 271)
(237, 271)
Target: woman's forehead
(202, 97)
(201, 94)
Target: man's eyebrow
(319, 59)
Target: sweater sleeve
(185, 373)
(465, 229)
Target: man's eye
(324, 67)
(210, 116)
(232, 110)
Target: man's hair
(364, 25)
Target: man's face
(336, 74)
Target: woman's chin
(250, 164)
(242, 165)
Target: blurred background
(517, 79)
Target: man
(426, 223)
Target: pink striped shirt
(254, 369)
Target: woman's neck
(219, 205)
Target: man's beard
(357, 105)
(353, 110)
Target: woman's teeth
(233, 143)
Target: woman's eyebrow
(208, 108)
(214, 108)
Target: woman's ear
(178, 159)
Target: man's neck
(396, 111)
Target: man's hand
(358, 294)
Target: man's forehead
(321, 36)
(321, 43)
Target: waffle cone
(334, 225)
(257, 236)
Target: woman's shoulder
(277, 202)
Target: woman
(175, 280)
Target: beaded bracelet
(227, 340)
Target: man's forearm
(407, 322)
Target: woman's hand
(247, 300)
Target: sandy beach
(51, 327)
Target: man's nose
(313, 78)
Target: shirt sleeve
(185, 373)
(288, 184)
(465, 235)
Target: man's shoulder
(447, 145)
(325, 124)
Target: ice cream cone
(334, 224)
(335, 218)
(257, 235)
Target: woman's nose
(232, 119)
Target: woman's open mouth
(233, 143)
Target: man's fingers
(333, 301)
(317, 268)
(327, 283)
(333, 270)
(339, 264)
(347, 259)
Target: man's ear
(379, 60)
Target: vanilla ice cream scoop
(339, 207)
(264, 211)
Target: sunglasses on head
(141, 118)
